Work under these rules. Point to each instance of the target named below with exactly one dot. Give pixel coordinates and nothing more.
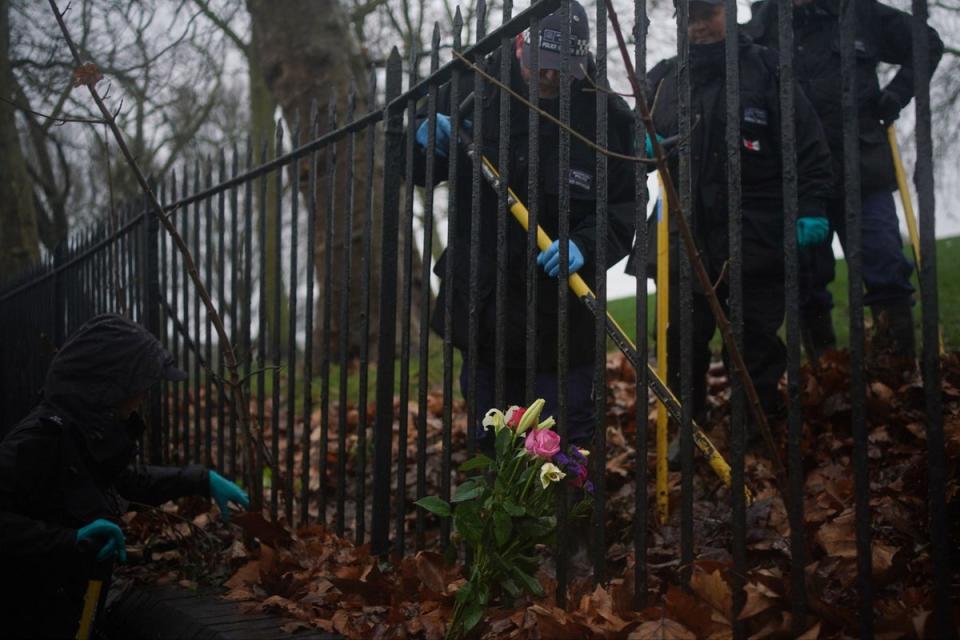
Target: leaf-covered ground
(316, 579)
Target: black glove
(887, 108)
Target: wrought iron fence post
(59, 294)
(151, 317)
(389, 224)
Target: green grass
(948, 264)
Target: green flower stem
(529, 480)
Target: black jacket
(884, 34)
(583, 220)
(69, 462)
(760, 152)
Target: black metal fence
(220, 207)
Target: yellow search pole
(614, 330)
(663, 319)
(911, 217)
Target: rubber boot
(816, 331)
(893, 331)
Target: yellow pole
(911, 217)
(90, 601)
(663, 319)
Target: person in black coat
(583, 183)
(761, 188)
(68, 473)
(883, 34)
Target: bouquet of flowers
(503, 513)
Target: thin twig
(579, 136)
(594, 87)
(241, 406)
(696, 263)
(58, 120)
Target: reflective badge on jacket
(751, 145)
(755, 115)
(580, 179)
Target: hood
(104, 363)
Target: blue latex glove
(224, 491)
(550, 259)
(811, 231)
(101, 530)
(442, 141)
(442, 134)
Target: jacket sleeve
(896, 47)
(155, 485)
(814, 166)
(621, 196)
(29, 461)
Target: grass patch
(948, 262)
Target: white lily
(550, 472)
(495, 419)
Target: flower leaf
(467, 491)
(502, 527)
(472, 615)
(479, 461)
(433, 504)
(467, 521)
(531, 584)
(513, 509)
(504, 440)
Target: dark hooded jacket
(72, 461)
(584, 189)
(761, 169)
(883, 34)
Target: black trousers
(764, 353)
(581, 416)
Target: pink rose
(543, 443)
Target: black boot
(893, 331)
(816, 331)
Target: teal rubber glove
(550, 259)
(223, 492)
(101, 530)
(648, 146)
(811, 231)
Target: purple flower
(588, 487)
(561, 460)
(576, 455)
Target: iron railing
(129, 266)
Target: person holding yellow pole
(583, 182)
(883, 35)
(761, 176)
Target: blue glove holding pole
(223, 491)
(442, 141)
(811, 231)
(550, 259)
(101, 530)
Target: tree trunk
(19, 244)
(263, 131)
(306, 51)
